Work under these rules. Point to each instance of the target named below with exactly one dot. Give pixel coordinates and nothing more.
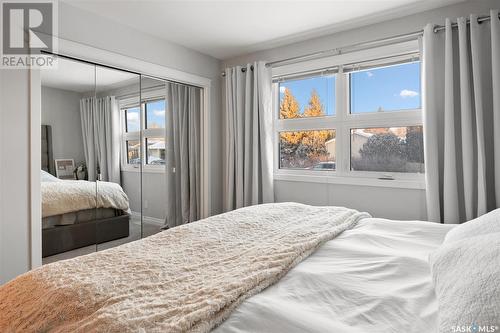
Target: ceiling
(224, 29)
(82, 77)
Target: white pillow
(483, 225)
(47, 177)
(466, 276)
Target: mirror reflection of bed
(94, 185)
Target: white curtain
(87, 107)
(101, 137)
(182, 119)
(461, 98)
(248, 119)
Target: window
(362, 121)
(387, 149)
(133, 151)
(155, 114)
(392, 88)
(132, 119)
(311, 97)
(144, 130)
(155, 151)
(313, 150)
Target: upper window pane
(392, 88)
(387, 149)
(132, 119)
(155, 114)
(313, 150)
(311, 97)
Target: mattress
(372, 278)
(79, 217)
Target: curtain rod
(363, 45)
(243, 70)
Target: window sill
(144, 169)
(418, 183)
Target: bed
(374, 277)
(78, 213)
(283, 267)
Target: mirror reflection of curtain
(100, 129)
(183, 153)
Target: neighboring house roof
(330, 141)
(363, 133)
(157, 145)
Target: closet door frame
(107, 58)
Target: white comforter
(372, 278)
(186, 279)
(61, 197)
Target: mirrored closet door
(68, 175)
(92, 159)
(121, 157)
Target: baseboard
(148, 219)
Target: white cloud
(370, 74)
(133, 117)
(408, 93)
(282, 89)
(159, 113)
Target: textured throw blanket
(68, 196)
(186, 279)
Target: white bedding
(372, 278)
(61, 197)
(185, 279)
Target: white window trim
(142, 135)
(341, 122)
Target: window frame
(142, 135)
(342, 122)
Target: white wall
(61, 110)
(384, 202)
(154, 193)
(86, 28)
(2, 271)
(393, 203)
(14, 176)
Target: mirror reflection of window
(153, 139)
(113, 86)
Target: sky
(155, 116)
(301, 90)
(390, 88)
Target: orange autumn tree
(316, 140)
(289, 109)
(302, 148)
